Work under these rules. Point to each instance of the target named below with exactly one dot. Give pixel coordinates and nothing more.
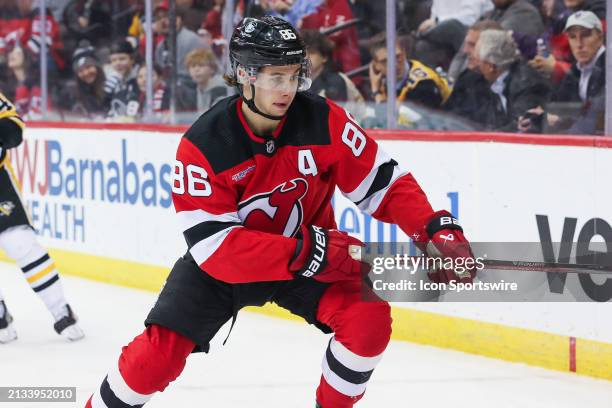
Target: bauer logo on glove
(327, 255)
(447, 244)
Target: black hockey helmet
(267, 41)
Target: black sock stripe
(110, 399)
(36, 263)
(204, 230)
(46, 284)
(354, 377)
(382, 179)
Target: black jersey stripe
(206, 229)
(382, 179)
(36, 263)
(351, 376)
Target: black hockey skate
(67, 326)
(7, 332)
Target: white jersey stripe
(362, 189)
(206, 247)
(188, 219)
(370, 205)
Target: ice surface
(267, 362)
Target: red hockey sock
(147, 365)
(362, 331)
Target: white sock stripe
(351, 360)
(341, 385)
(123, 391)
(96, 400)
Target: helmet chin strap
(251, 104)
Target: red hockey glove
(447, 243)
(327, 255)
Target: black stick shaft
(548, 267)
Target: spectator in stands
(440, 36)
(326, 81)
(24, 82)
(515, 87)
(21, 27)
(470, 87)
(290, 10)
(205, 87)
(334, 13)
(465, 58)
(518, 16)
(585, 82)
(123, 80)
(556, 65)
(87, 19)
(415, 81)
(158, 90)
(213, 20)
(87, 96)
(186, 40)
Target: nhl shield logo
(250, 27)
(270, 146)
(6, 208)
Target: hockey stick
(554, 267)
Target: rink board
(101, 199)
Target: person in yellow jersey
(415, 81)
(18, 240)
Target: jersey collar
(252, 135)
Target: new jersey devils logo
(279, 211)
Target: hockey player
(252, 185)
(19, 242)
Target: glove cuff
(310, 252)
(441, 220)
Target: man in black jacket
(584, 84)
(513, 87)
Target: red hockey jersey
(241, 198)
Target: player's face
(122, 63)
(276, 87)
(584, 43)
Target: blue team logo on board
(279, 211)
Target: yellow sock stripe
(42, 273)
(592, 358)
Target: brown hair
(201, 56)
